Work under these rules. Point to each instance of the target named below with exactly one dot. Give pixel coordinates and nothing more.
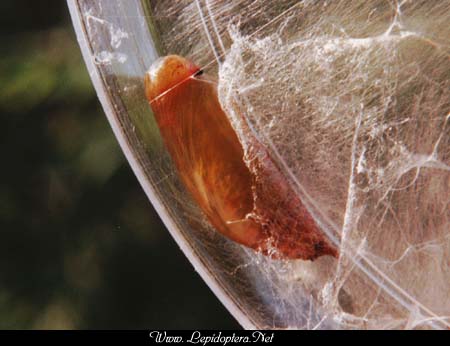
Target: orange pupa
(250, 203)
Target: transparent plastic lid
(352, 101)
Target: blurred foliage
(81, 246)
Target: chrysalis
(251, 203)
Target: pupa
(243, 193)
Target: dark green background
(80, 245)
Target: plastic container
(352, 99)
